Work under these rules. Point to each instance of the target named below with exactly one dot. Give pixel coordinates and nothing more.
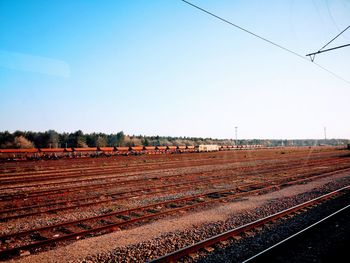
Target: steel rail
(189, 202)
(27, 177)
(262, 253)
(103, 171)
(164, 161)
(139, 192)
(64, 169)
(23, 194)
(93, 186)
(176, 255)
(97, 168)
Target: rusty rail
(176, 255)
(43, 236)
(77, 203)
(112, 182)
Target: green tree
(53, 139)
(120, 137)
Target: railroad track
(104, 185)
(13, 244)
(107, 168)
(142, 165)
(64, 171)
(88, 172)
(208, 243)
(118, 179)
(279, 249)
(15, 213)
(76, 163)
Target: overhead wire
(265, 39)
(334, 38)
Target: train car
(55, 153)
(69, 152)
(223, 148)
(190, 148)
(181, 148)
(160, 149)
(171, 149)
(52, 153)
(106, 151)
(149, 149)
(208, 148)
(122, 150)
(85, 152)
(19, 154)
(136, 150)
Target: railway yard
(191, 207)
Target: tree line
(53, 139)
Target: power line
(312, 55)
(243, 29)
(264, 39)
(334, 38)
(331, 72)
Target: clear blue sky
(164, 68)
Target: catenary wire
(265, 39)
(334, 38)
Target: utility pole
(236, 128)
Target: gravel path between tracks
(165, 235)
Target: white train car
(208, 148)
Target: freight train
(57, 153)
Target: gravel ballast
(166, 235)
(318, 246)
